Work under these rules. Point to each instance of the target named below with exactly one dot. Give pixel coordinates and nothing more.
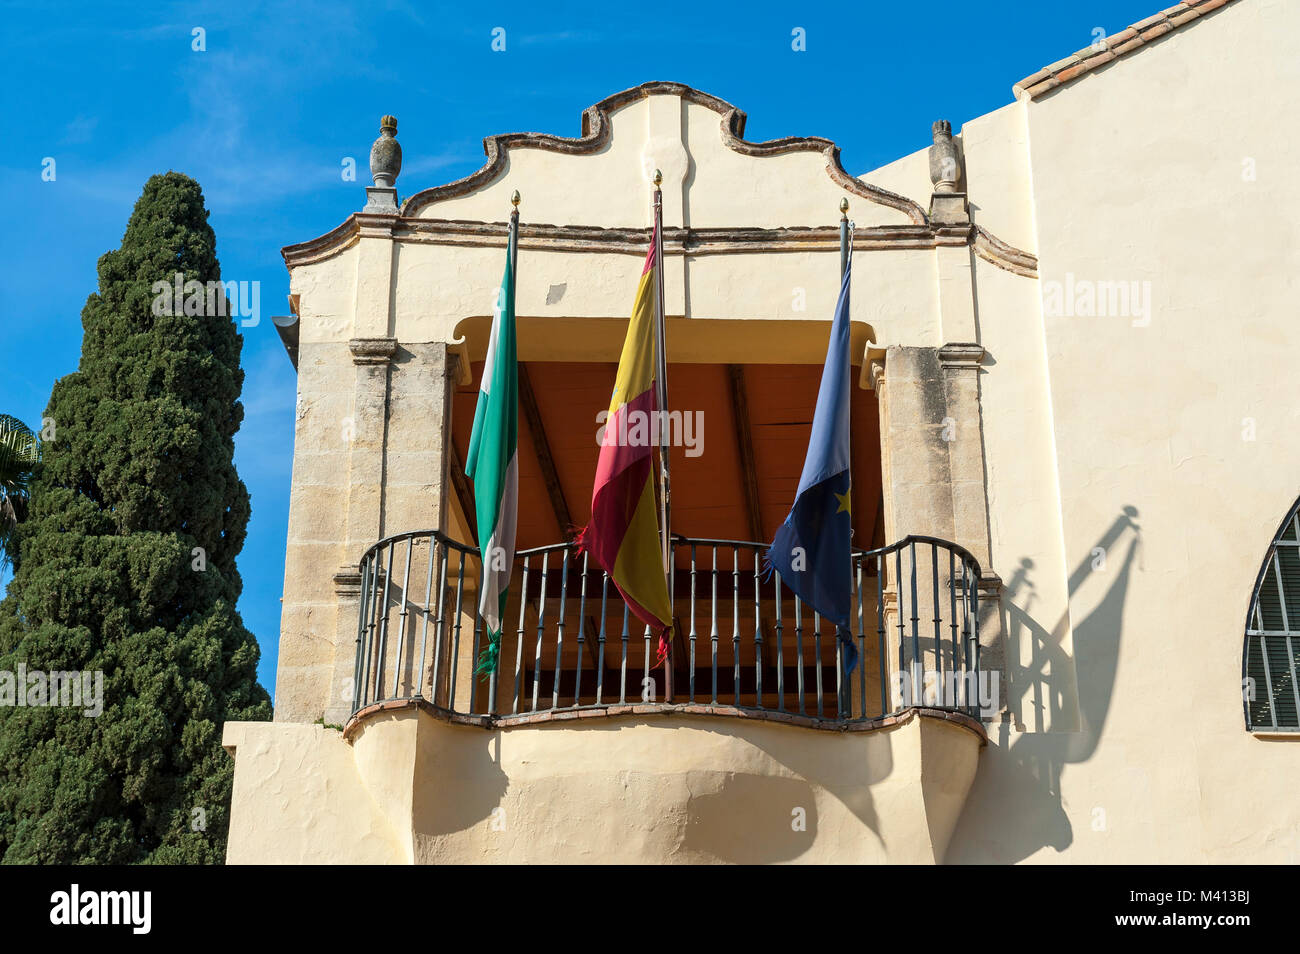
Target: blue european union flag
(812, 550)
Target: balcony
(744, 646)
(757, 744)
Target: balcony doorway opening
(749, 426)
(740, 435)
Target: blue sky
(284, 92)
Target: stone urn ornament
(386, 154)
(944, 165)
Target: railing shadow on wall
(1042, 670)
(743, 643)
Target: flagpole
(841, 683)
(661, 398)
(512, 238)
(844, 236)
(512, 243)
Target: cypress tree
(127, 567)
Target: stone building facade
(1071, 337)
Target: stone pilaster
(915, 459)
(419, 415)
(366, 435)
(336, 507)
(963, 435)
(397, 477)
(933, 464)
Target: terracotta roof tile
(1132, 44)
(1062, 64)
(1114, 47)
(1066, 75)
(1045, 86)
(1092, 52)
(1038, 77)
(1154, 18)
(1160, 29)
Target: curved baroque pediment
(713, 176)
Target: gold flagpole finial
(514, 199)
(844, 208)
(659, 178)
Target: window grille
(1270, 690)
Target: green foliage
(20, 452)
(139, 474)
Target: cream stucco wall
(1137, 174)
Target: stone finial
(945, 166)
(385, 164)
(386, 154)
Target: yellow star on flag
(844, 502)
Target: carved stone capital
(961, 356)
(372, 350)
(347, 583)
(876, 374)
(458, 365)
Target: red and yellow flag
(623, 534)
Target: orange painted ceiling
(708, 491)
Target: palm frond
(20, 451)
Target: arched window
(1272, 653)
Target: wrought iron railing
(742, 640)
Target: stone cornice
(376, 224)
(581, 238)
(997, 252)
(691, 241)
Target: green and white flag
(493, 462)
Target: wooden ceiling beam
(460, 485)
(545, 460)
(745, 448)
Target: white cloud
(80, 130)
